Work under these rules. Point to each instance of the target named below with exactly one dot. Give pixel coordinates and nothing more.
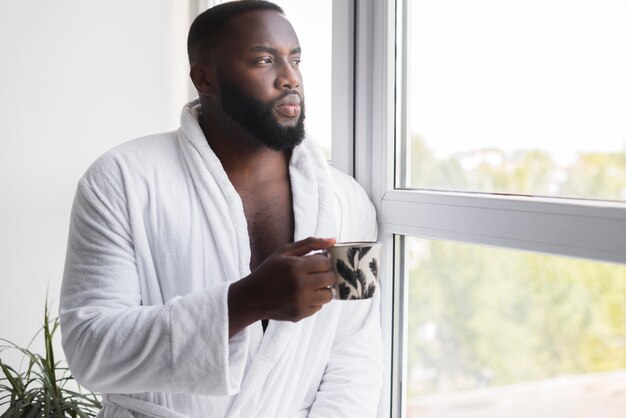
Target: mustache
(287, 97)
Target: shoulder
(137, 158)
(133, 167)
(357, 213)
(134, 156)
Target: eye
(295, 62)
(263, 60)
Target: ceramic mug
(356, 265)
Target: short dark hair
(210, 25)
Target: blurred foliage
(593, 175)
(481, 317)
(487, 317)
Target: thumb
(305, 246)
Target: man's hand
(287, 286)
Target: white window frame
(342, 81)
(588, 229)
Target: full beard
(257, 117)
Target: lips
(289, 106)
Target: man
(191, 288)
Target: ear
(204, 78)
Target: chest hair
(269, 215)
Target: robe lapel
(222, 205)
(314, 214)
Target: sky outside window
(521, 97)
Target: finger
(315, 309)
(317, 263)
(325, 295)
(321, 297)
(305, 246)
(320, 281)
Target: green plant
(42, 389)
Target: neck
(244, 158)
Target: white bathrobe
(157, 235)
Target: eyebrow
(274, 51)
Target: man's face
(259, 81)
(258, 117)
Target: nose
(288, 77)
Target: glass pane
(314, 28)
(503, 333)
(516, 97)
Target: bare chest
(269, 215)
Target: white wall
(77, 77)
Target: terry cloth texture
(157, 235)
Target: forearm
(242, 309)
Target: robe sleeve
(114, 344)
(353, 377)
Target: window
(490, 330)
(516, 97)
(497, 233)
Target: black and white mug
(357, 265)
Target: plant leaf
(40, 390)
(89, 398)
(35, 409)
(14, 380)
